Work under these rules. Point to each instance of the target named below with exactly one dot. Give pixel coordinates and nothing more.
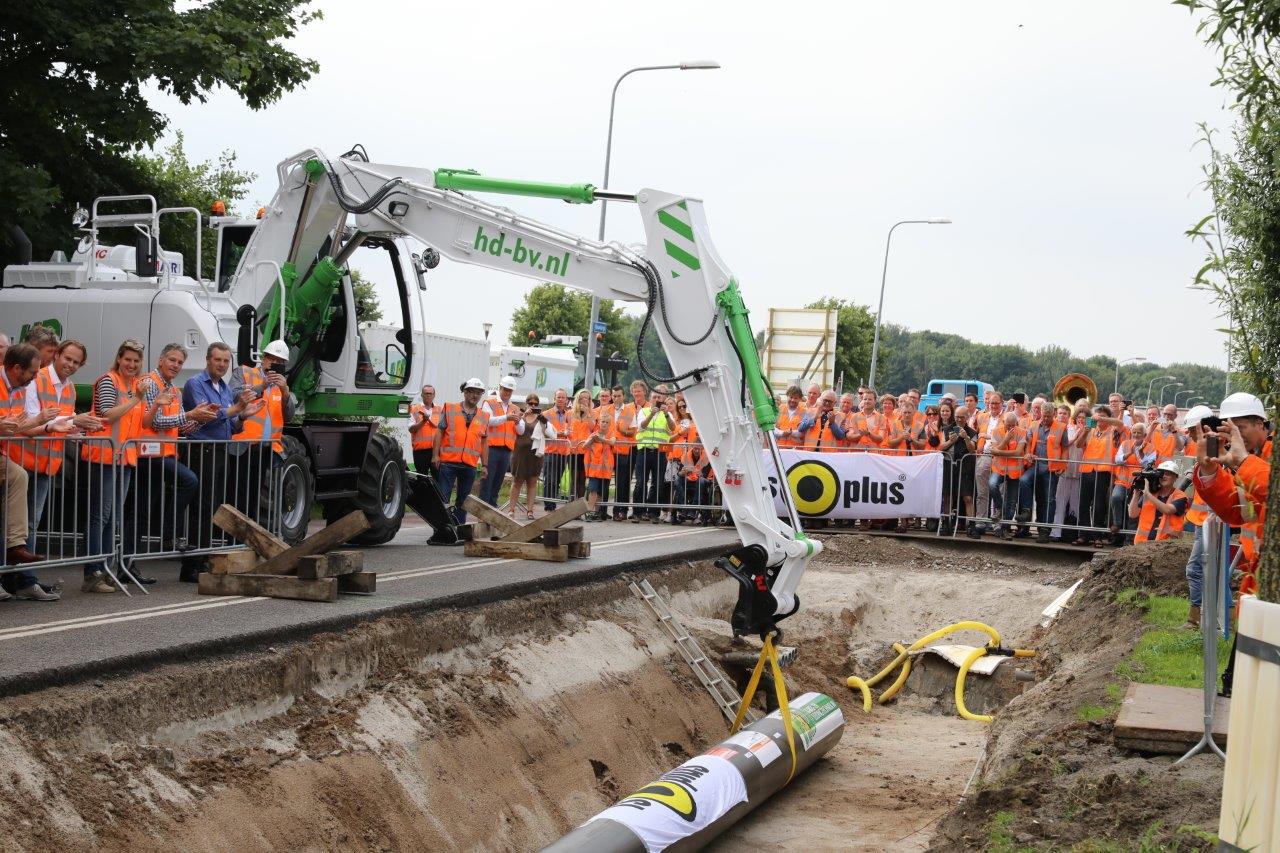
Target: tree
(72, 113)
(553, 309)
(855, 328)
(366, 298)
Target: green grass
(1000, 835)
(1185, 838)
(1169, 651)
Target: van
(957, 388)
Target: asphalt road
(92, 635)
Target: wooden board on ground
(474, 531)
(490, 515)
(1160, 719)
(331, 565)
(286, 562)
(579, 549)
(248, 531)
(519, 550)
(534, 529)
(233, 562)
(324, 589)
(361, 582)
(562, 535)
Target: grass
(1169, 651)
(1000, 834)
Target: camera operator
(1160, 513)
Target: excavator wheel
(297, 487)
(381, 484)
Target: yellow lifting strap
(769, 653)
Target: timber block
(534, 529)
(320, 542)
(361, 582)
(331, 565)
(248, 531)
(233, 562)
(562, 535)
(490, 515)
(275, 586)
(579, 549)
(519, 550)
(474, 531)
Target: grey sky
(1059, 138)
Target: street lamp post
(1153, 382)
(1168, 385)
(1178, 394)
(1134, 360)
(589, 364)
(875, 342)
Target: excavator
(287, 276)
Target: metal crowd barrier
(160, 508)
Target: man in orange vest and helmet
(260, 441)
(503, 419)
(461, 448)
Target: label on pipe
(681, 802)
(813, 717)
(756, 744)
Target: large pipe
(685, 808)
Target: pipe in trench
(687, 807)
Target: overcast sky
(1058, 137)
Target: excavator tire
(298, 491)
(382, 483)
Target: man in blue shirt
(207, 458)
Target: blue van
(958, 388)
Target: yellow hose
(900, 680)
(964, 671)
(858, 684)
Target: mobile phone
(1212, 445)
(1091, 422)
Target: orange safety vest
(1099, 452)
(159, 449)
(819, 437)
(696, 464)
(560, 420)
(1170, 526)
(789, 421)
(624, 416)
(598, 460)
(1131, 464)
(462, 443)
(680, 438)
(126, 427)
(504, 435)
(983, 421)
(425, 438)
(1198, 511)
(865, 423)
(269, 421)
(44, 456)
(1056, 450)
(1007, 466)
(579, 429)
(1165, 445)
(12, 406)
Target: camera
(1148, 475)
(1211, 423)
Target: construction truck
(286, 276)
(558, 361)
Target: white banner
(860, 485)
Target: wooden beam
(490, 515)
(332, 565)
(474, 531)
(519, 550)
(534, 529)
(360, 582)
(286, 562)
(233, 562)
(562, 535)
(275, 586)
(248, 531)
(579, 549)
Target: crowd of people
(164, 457)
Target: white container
(1250, 816)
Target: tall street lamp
(1168, 385)
(1180, 393)
(875, 342)
(1134, 360)
(1153, 382)
(589, 365)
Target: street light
(1180, 393)
(589, 363)
(1168, 385)
(1134, 360)
(875, 342)
(1153, 382)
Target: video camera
(1148, 475)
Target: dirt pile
(1050, 779)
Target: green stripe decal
(682, 228)
(682, 256)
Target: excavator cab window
(379, 289)
(232, 240)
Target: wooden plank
(248, 531)
(534, 529)
(501, 524)
(233, 562)
(332, 565)
(1155, 715)
(562, 535)
(519, 550)
(579, 549)
(361, 582)
(286, 562)
(275, 586)
(473, 531)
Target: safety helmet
(1195, 415)
(471, 383)
(1242, 405)
(508, 382)
(1170, 466)
(277, 349)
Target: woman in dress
(532, 433)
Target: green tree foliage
(855, 327)
(553, 309)
(655, 359)
(368, 305)
(72, 111)
(177, 182)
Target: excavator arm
(692, 303)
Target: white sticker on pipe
(681, 802)
(813, 717)
(760, 745)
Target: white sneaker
(35, 592)
(4, 594)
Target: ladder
(720, 688)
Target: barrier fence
(108, 505)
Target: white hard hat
(278, 349)
(1195, 415)
(508, 382)
(472, 383)
(1170, 466)
(1242, 405)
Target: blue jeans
(1005, 492)
(103, 505)
(1195, 568)
(499, 463)
(465, 477)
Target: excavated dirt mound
(1050, 781)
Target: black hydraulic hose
(351, 205)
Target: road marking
(43, 628)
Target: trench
(502, 727)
